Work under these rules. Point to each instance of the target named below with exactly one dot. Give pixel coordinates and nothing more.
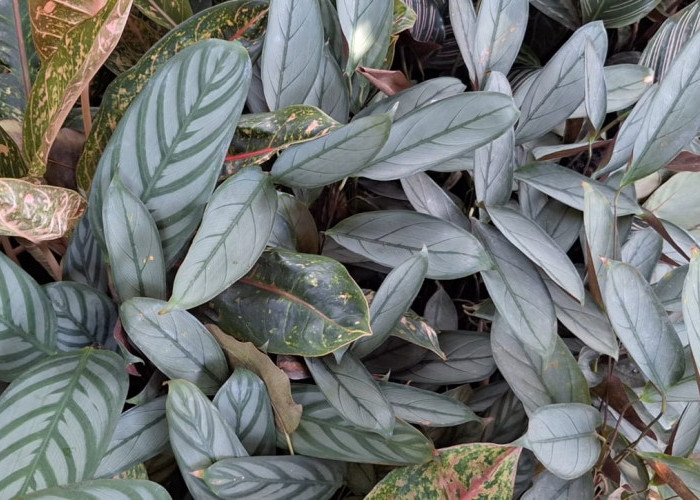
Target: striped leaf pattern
(245, 405)
(100, 489)
(85, 316)
(84, 260)
(169, 155)
(57, 418)
(27, 321)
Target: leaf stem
(85, 108)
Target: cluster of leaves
(237, 237)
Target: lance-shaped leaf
(600, 231)
(330, 92)
(565, 12)
(38, 212)
(558, 88)
(428, 408)
(395, 295)
(133, 245)
(63, 76)
(595, 91)
(105, 488)
(56, 420)
(352, 391)
(366, 25)
(292, 53)
(84, 261)
(669, 124)
(625, 84)
(691, 306)
(389, 237)
(294, 227)
(27, 321)
(167, 13)
(440, 311)
(642, 325)
(242, 20)
(85, 316)
(427, 197)
(669, 289)
(478, 470)
(616, 14)
(175, 342)
(274, 477)
(339, 154)
(459, 124)
(324, 433)
(519, 293)
(293, 303)
(416, 330)
(562, 223)
(539, 247)
(16, 49)
(463, 20)
(141, 433)
(563, 437)
(643, 250)
(11, 160)
(500, 28)
(169, 155)
(566, 186)
(199, 435)
(245, 406)
(236, 225)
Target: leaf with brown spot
(63, 76)
(36, 212)
(478, 470)
(246, 355)
(414, 329)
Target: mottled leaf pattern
(167, 13)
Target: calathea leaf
(59, 416)
(616, 14)
(167, 13)
(293, 303)
(463, 20)
(566, 12)
(105, 488)
(175, 342)
(84, 261)
(427, 197)
(366, 25)
(27, 321)
(169, 155)
(440, 311)
(235, 228)
(330, 93)
(390, 237)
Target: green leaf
(395, 295)
(563, 437)
(15, 79)
(518, 292)
(352, 391)
(84, 261)
(440, 311)
(27, 321)
(242, 20)
(175, 342)
(275, 477)
(199, 435)
(669, 289)
(140, 34)
(500, 29)
(477, 470)
(595, 90)
(104, 488)
(293, 303)
(691, 306)
(245, 406)
(366, 25)
(458, 125)
(167, 13)
(324, 433)
(169, 156)
(334, 156)
(566, 186)
(673, 200)
(56, 420)
(642, 325)
(85, 316)
(669, 124)
(292, 52)
(133, 245)
(427, 197)
(63, 76)
(141, 433)
(419, 406)
(618, 13)
(38, 212)
(562, 223)
(235, 228)
(688, 470)
(558, 88)
(389, 237)
(601, 234)
(11, 161)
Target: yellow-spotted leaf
(167, 13)
(11, 161)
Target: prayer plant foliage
(262, 224)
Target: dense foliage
(220, 220)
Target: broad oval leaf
(458, 125)
(324, 433)
(500, 28)
(293, 303)
(245, 406)
(366, 25)
(563, 437)
(104, 488)
(642, 325)
(617, 13)
(27, 321)
(352, 391)
(334, 156)
(170, 156)
(275, 477)
(133, 245)
(84, 261)
(85, 316)
(427, 197)
(167, 13)
(175, 342)
(56, 420)
(476, 470)
(389, 237)
(235, 228)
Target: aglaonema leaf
(12, 162)
(167, 13)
